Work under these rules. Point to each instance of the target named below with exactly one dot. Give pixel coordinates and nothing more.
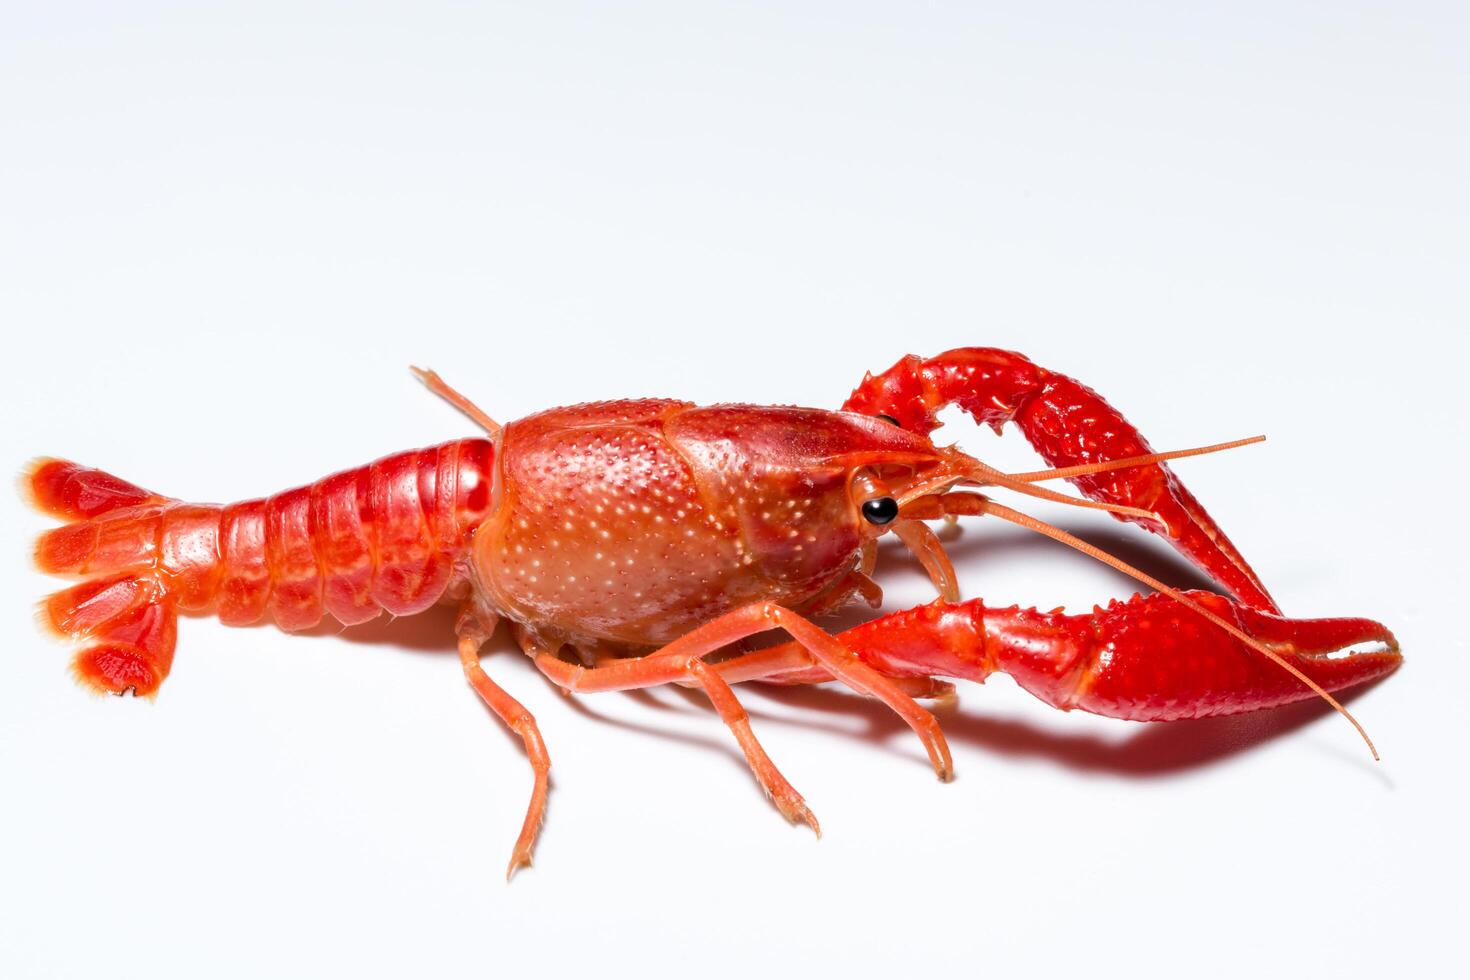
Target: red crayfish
(637, 543)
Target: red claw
(1068, 424)
(1147, 659)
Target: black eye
(890, 420)
(880, 510)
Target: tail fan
(121, 612)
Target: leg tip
(804, 814)
(518, 860)
(795, 810)
(943, 763)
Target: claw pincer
(1069, 424)
(1146, 659)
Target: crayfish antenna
(972, 472)
(994, 477)
(984, 505)
(440, 387)
(1085, 469)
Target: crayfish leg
(682, 665)
(789, 665)
(758, 617)
(474, 630)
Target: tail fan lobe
(126, 617)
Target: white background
(228, 228)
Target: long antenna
(1084, 469)
(976, 474)
(994, 477)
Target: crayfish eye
(890, 420)
(880, 510)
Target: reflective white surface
(226, 233)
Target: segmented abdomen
(388, 535)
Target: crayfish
(629, 544)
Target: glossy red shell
(635, 522)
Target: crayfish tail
(385, 536)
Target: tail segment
(384, 536)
